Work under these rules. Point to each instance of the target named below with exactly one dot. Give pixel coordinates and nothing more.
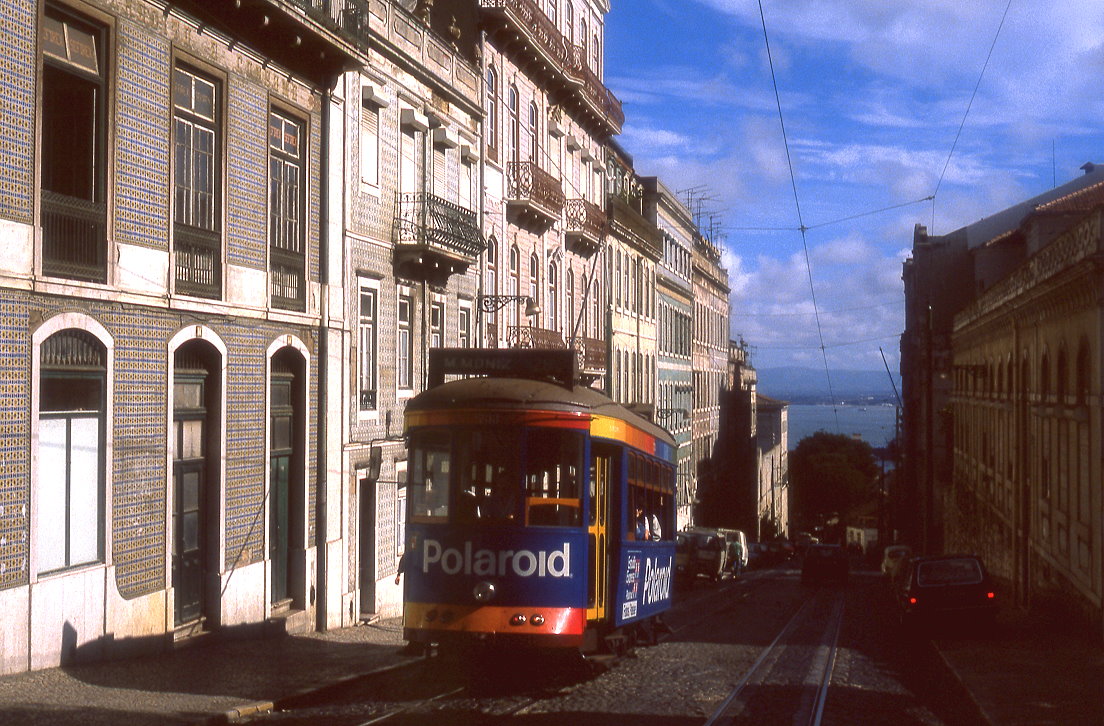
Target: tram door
(601, 475)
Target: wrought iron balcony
(530, 34)
(435, 238)
(74, 237)
(527, 336)
(585, 226)
(533, 194)
(599, 100)
(197, 256)
(539, 36)
(592, 356)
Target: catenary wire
(967, 113)
(797, 204)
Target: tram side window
(649, 501)
(489, 484)
(553, 469)
(428, 488)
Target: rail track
(790, 665)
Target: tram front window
(489, 489)
(553, 469)
(428, 490)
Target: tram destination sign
(560, 366)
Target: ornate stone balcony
(533, 195)
(434, 238)
(585, 227)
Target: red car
(953, 588)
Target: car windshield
(963, 571)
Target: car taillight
(991, 595)
(912, 601)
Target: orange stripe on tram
(494, 619)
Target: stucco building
(1001, 368)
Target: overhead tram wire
(968, 106)
(801, 223)
(835, 221)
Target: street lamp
(493, 303)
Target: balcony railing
(287, 282)
(585, 225)
(595, 92)
(564, 59)
(538, 28)
(425, 219)
(592, 355)
(197, 257)
(74, 237)
(526, 336)
(530, 188)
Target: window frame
(404, 341)
(287, 212)
(56, 325)
(371, 286)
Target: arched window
(553, 297)
(515, 125)
(569, 22)
(1062, 387)
(569, 308)
(490, 283)
(1044, 378)
(582, 35)
(552, 15)
(515, 280)
(490, 124)
(534, 277)
(1084, 373)
(71, 478)
(596, 61)
(534, 128)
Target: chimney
(1089, 167)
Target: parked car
(893, 559)
(706, 553)
(755, 555)
(824, 563)
(949, 589)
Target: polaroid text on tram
(657, 581)
(484, 562)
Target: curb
(240, 713)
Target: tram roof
(525, 393)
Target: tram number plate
(628, 610)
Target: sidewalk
(1028, 672)
(1031, 672)
(209, 683)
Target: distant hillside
(810, 385)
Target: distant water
(874, 424)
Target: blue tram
(539, 512)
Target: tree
(830, 474)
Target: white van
(737, 550)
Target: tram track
(788, 664)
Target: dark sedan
(954, 588)
(824, 563)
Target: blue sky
(873, 93)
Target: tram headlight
(484, 592)
(536, 619)
(517, 619)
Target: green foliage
(830, 473)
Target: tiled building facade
(163, 314)
(231, 231)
